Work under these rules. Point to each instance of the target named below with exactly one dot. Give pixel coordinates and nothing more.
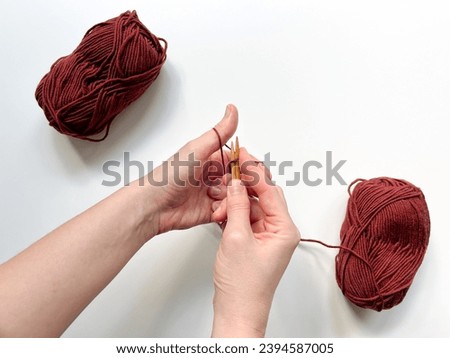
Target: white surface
(369, 81)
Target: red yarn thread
(387, 225)
(114, 64)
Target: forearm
(44, 288)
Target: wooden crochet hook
(234, 157)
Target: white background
(369, 81)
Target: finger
(217, 157)
(249, 175)
(215, 168)
(205, 145)
(256, 213)
(249, 181)
(238, 208)
(219, 209)
(246, 179)
(247, 161)
(226, 179)
(271, 198)
(218, 192)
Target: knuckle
(238, 205)
(189, 147)
(295, 235)
(236, 235)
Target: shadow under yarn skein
(114, 64)
(383, 241)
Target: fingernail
(235, 187)
(215, 191)
(227, 111)
(215, 205)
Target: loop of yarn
(114, 64)
(387, 225)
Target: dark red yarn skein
(114, 64)
(383, 241)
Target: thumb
(238, 207)
(208, 143)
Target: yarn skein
(383, 241)
(115, 63)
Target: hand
(257, 244)
(182, 202)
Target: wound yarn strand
(388, 225)
(384, 238)
(115, 63)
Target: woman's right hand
(258, 241)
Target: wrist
(144, 210)
(226, 327)
(235, 319)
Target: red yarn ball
(114, 64)
(387, 227)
